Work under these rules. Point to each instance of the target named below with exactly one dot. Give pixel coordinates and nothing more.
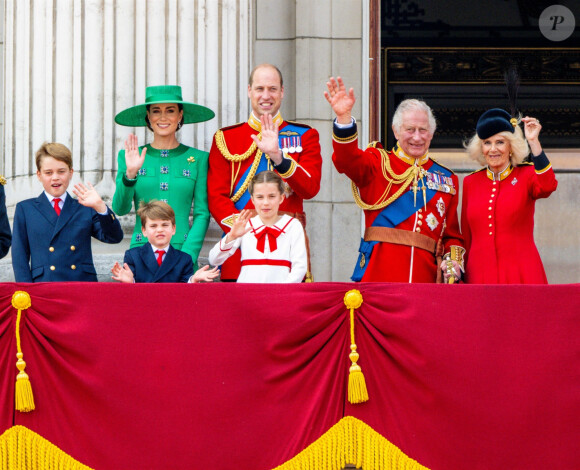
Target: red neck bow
(271, 233)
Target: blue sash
(391, 216)
(242, 201)
(290, 133)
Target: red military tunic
(497, 221)
(301, 171)
(389, 261)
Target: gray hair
(412, 105)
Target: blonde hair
(155, 210)
(519, 148)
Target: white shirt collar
(166, 248)
(52, 198)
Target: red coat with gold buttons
(302, 177)
(497, 222)
(391, 262)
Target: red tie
(160, 254)
(271, 234)
(56, 201)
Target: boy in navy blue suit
(157, 260)
(52, 233)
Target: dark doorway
(453, 54)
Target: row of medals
(291, 145)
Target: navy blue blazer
(47, 247)
(5, 235)
(176, 267)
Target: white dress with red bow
(269, 254)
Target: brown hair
(155, 210)
(261, 66)
(268, 176)
(57, 151)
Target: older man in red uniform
(265, 141)
(410, 201)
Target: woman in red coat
(497, 216)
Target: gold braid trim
(351, 441)
(404, 178)
(251, 174)
(223, 148)
(22, 448)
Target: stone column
(311, 41)
(71, 65)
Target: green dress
(177, 177)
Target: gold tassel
(21, 448)
(351, 441)
(357, 387)
(24, 398)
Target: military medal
(292, 148)
(432, 221)
(298, 146)
(440, 206)
(440, 182)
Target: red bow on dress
(271, 233)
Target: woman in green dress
(164, 169)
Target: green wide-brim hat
(135, 116)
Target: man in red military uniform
(409, 201)
(264, 142)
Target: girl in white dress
(273, 246)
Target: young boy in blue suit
(157, 260)
(52, 233)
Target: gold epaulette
(374, 144)
(446, 167)
(300, 124)
(2, 180)
(233, 126)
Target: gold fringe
(23, 449)
(357, 387)
(24, 399)
(351, 441)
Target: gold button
(490, 233)
(51, 249)
(494, 183)
(490, 201)
(52, 268)
(420, 216)
(420, 210)
(493, 190)
(72, 248)
(491, 225)
(73, 266)
(419, 223)
(493, 195)
(489, 216)
(489, 208)
(417, 229)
